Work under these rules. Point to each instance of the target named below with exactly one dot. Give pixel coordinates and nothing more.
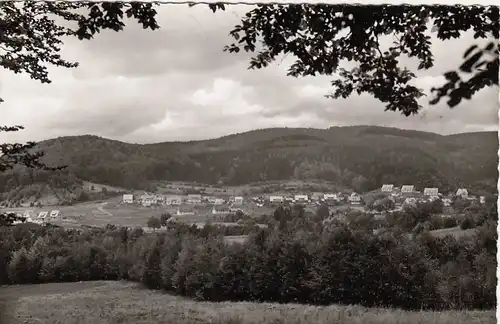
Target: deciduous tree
(320, 36)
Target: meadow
(103, 302)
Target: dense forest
(360, 157)
(300, 258)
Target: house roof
(407, 188)
(387, 187)
(431, 191)
(462, 191)
(43, 214)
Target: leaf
(467, 52)
(490, 46)
(467, 65)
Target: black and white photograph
(248, 163)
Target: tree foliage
(320, 36)
(293, 262)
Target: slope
(361, 157)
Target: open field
(456, 232)
(101, 213)
(121, 302)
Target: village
(197, 204)
(401, 196)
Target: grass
(121, 302)
(456, 232)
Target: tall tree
(320, 36)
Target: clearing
(456, 232)
(122, 302)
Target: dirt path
(101, 209)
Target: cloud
(176, 83)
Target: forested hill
(361, 157)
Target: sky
(176, 83)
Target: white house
(462, 192)
(128, 198)
(29, 214)
(174, 200)
(355, 198)
(301, 198)
(387, 188)
(148, 200)
(431, 192)
(482, 199)
(331, 197)
(276, 199)
(410, 201)
(238, 200)
(194, 199)
(407, 189)
(43, 215)
(219, 201)
(55, 214)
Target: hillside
(119, 302)
(360, 157)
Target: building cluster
(408, 195)
(315, 198)
(37, 218)
(222, 205)
(186, 205)
(148, 200)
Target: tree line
(299, 258)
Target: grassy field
(101, 213)
(119, 302)
(456, 232)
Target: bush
(467, 223)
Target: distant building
(160, 199)
(216, 210)
(330, 196)
(173, 200)
(355, 198)
(238, 200)
(128, 198)
(194, 199)
(184, 211)
(431, 192)
(387, 188)
(219, 201)
(301, 198)
(482, 199)
(462, 192)
(410, 201)
(148, 200)
(275, 199)
(407, 189)
(29, 214)
(43, 215)
(55, 214)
